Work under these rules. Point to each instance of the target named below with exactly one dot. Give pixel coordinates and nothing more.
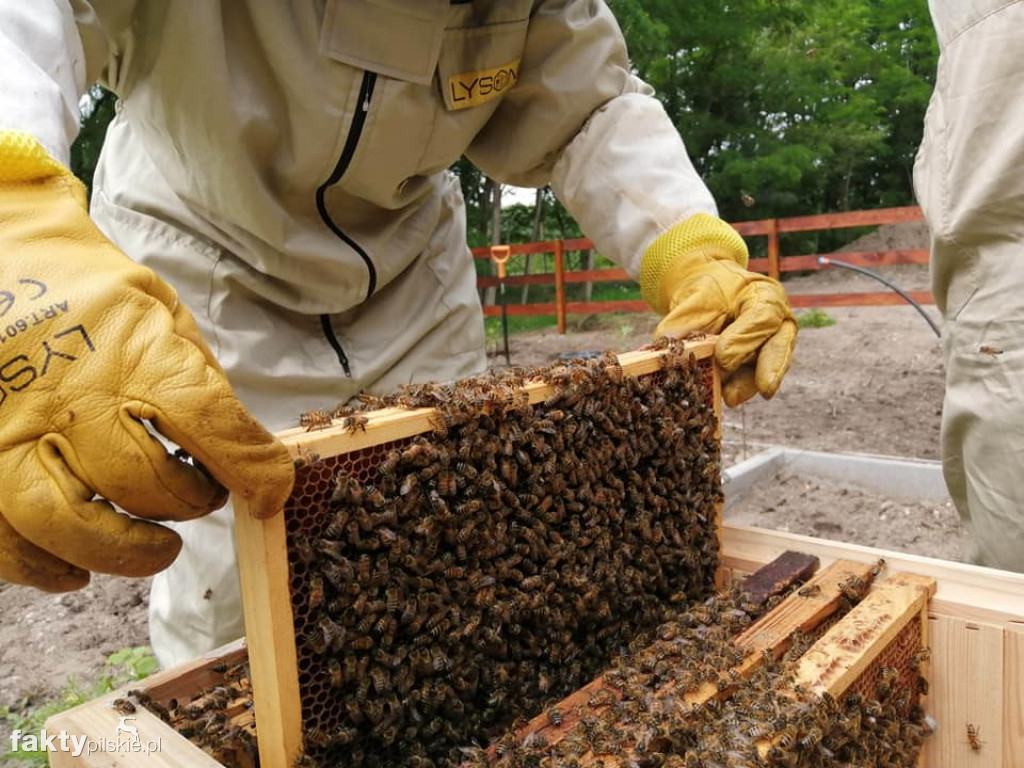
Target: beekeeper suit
(969, 178)
(282, 164)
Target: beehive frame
(263, 556)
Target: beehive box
(271, 600)
(974, 626)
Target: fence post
(560, 285)
(773, 249)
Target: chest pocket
(480, 64)
(395, 38)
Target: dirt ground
(871, 383)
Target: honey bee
(972, 736)
(305, 458)
(315, 420)
(812, 590)
(335, 673)
(353, 424)
(123, 706)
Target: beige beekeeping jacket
(282, 164)
(969, 179)
(309, 137)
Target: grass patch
(815, 318)
(124, 666)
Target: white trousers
(969, 178)
(424, 326)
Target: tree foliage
(791, 106)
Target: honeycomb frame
(267, 591)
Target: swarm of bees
(643, 720)
(218, 718)
(478, 572)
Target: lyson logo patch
(472, 88)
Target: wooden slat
(98, 720)
(599, 307)
(542, 278)
(270, 633)
(966, 686)
(753, 228)
(1013, 695)
(847, 650)
(515, 249)
(838, 658)
(398, 423)
(580, 244)
(596, 275)
(857, 258)
(184, 680)
(858, 299)
(520, 310)
(548, 278)
(572, 307)
(851, 219)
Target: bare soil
(871, 383)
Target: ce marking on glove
(29, 291)
(21, 371)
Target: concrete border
(896, 477)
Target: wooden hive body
(973, 627)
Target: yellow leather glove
(94, 347)
(695, 274)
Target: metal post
(500, 255)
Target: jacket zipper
(347, 152)
(332, 339)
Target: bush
(815, 318)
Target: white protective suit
(282, 163)
(970, 182)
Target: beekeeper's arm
(578, 119)
(93, 348)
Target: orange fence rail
(774, 265)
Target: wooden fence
(774, 264)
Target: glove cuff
(23, 159)
(699, 235)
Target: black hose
(824, 260)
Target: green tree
(97, 112)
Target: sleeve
(581, 121)
(50, 52)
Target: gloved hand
(695, 274)
(92, 349)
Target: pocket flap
(395, 38)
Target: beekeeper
(969, 178)
(282, 166)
